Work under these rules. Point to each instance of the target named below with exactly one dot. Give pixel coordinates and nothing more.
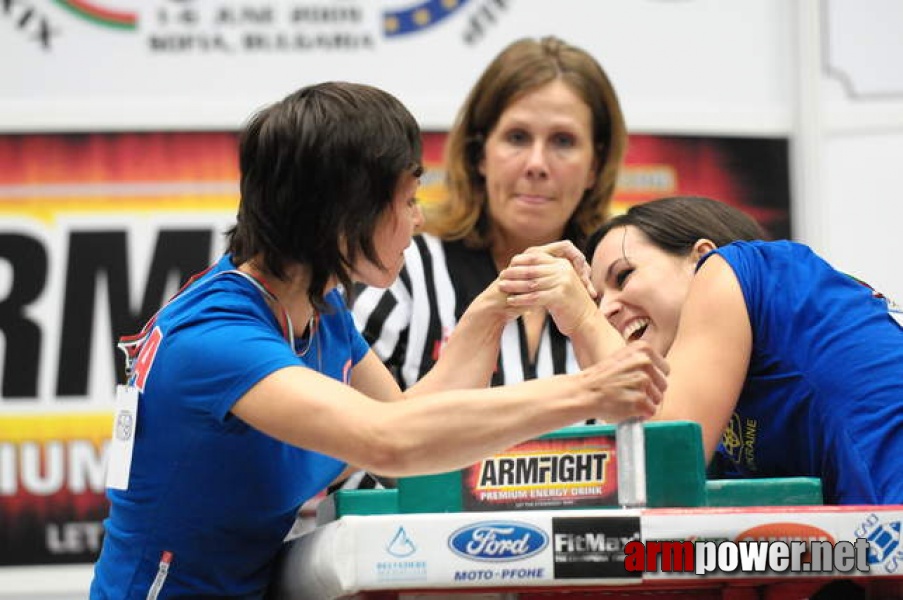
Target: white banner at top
(88, 65)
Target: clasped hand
(555, 277)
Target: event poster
(98, 230)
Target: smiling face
(538, 161)
(392, 235)
(642, 287)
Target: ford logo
(498, 541)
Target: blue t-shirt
(823, 395)
(215, 494)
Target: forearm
(449, 430)
(469, 357)
(445, 430)
(594, 340)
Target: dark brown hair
(523, 67)
(676, 223)
(317, 170)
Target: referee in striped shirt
(532, 159)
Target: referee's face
(538, 161)
(397, 224)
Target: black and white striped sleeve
(384, 317)
(408, 323)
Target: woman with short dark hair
(253, 388)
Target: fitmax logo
(591, 542)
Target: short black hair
(317, 170)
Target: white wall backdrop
(855, 216)
(685, 65)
